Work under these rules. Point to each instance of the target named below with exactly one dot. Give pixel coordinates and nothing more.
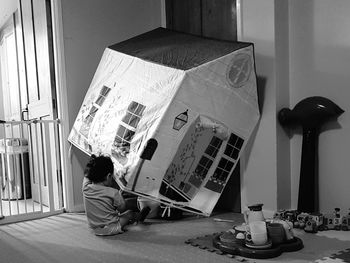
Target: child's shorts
(112, 229)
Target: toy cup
(257, 233)
(276, 232)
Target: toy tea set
(258, 237)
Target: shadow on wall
(78, 168)
(261, 86)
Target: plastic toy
(232, 243)
(311, 113)
(254, 214)
(345, 224)
(314, 222)
(302, 218)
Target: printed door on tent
(189, 169)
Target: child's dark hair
(98, 168)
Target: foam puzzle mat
(320, 248)
(206, 243)
(341, 256)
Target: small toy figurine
(302, 218)
(337, 212)
(314, 223)
(310, 226)
(345, 224)
(291, 216)
(279, 214)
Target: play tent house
(174, 111)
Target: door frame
(9, 28)
(62, 103)
(239, 8)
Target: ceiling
(8, 7)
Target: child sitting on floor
(105, 206)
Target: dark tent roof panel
(175, 49)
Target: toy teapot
(254, 214)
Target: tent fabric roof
(175, 49)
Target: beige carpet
(66, 238)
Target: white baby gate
(30, 170)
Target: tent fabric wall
(143, 86)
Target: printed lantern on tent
(174, 111)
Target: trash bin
(15, 177)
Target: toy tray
(236, 248)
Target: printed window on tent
(218, 180)
(205, 162)
(126, 130)
(84, 130)
(103, 95)
(234, 146)
(133, 114)
(223, 170)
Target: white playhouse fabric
(174, 117)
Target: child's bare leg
(127, 217)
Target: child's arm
(119, 202)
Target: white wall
(302, 54)
(89, 26)
(266, 164)
(282, 99)
(302, 49)
(320, 66)
(259, 177)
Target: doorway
(214, 19)
(31, 176)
